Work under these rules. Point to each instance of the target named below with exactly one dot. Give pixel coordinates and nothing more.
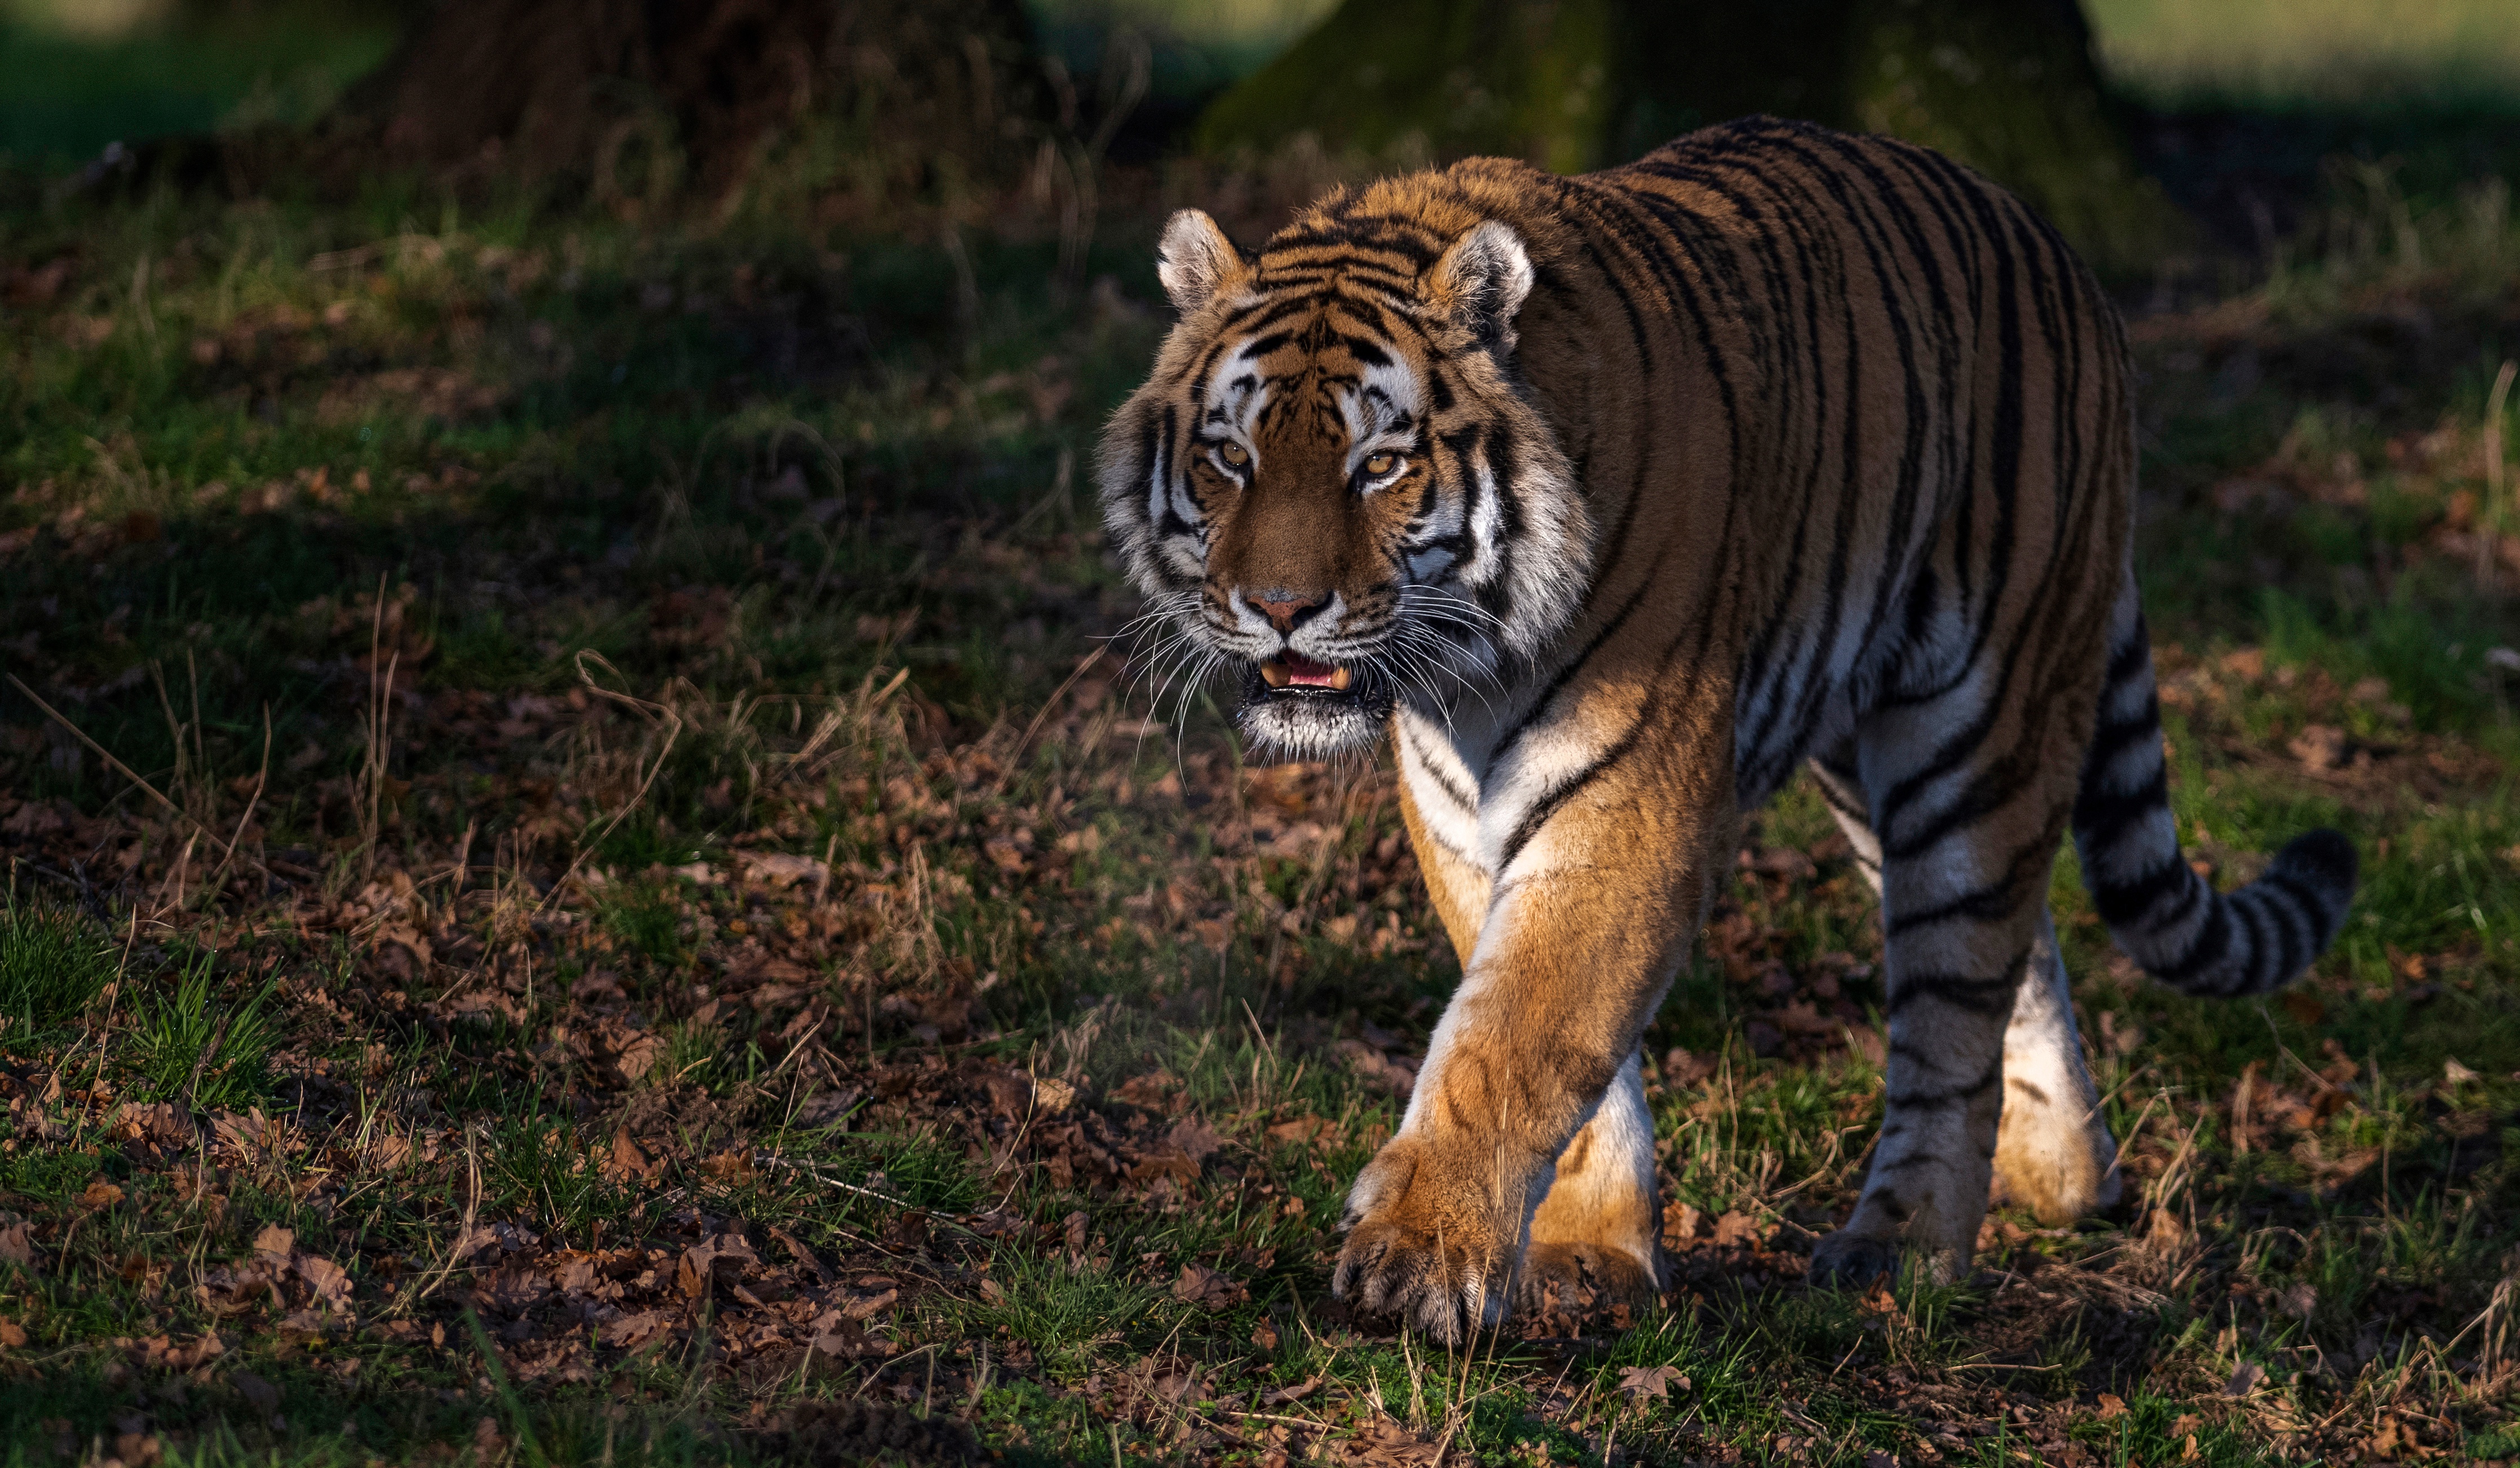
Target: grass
(53, 965)
(708, 965)
(74, 90)
(193, 1047)
(2262, 52)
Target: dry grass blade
(656, 714)
(1014, 756)
(377, 758)
(120, 768)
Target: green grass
(53, 965)
(200, 1045)
(70, 93)
(2262, 51)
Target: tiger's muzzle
(1294, 707)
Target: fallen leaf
(100, 1195)
(1379, 1069)
(1643, 1382)
(11, 1335)
(1208, 1289)
(633, 1329)
(776, 868)
(1736, 1230)
(1278, 1395)
(2245, 1379)
(2320, 746)
(625, 1164)
(797, 1251)
(1195, 1139)
(329, 1280)
(718, 1259)
(731, 1167)
(861, 1307)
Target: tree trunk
(2006, 86)
(636, 96)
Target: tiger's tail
(2162, 914)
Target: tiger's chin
(1311, 711)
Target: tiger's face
(1333, 487)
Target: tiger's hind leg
(2052, 1153)
(1597, 1228)
(1966, 839)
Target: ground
(593, 874)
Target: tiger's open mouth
(1297, 708)
(1296, 672)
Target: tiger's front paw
(1429, 1240)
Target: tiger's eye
(1379, 464)
(1235, 454)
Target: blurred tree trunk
(2006, 86)
(640, 96)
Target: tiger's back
(1777, 446)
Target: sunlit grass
(2309, 51)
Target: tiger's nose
(1287, 610)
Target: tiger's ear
(1481, 281)
(1196, 260)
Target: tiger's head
(1333, 486)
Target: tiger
(1615, 500)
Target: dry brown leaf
(1208, 1289)
(625, 1165)
(1277, 1396)
(1643, 1382)
(779, 868)
(329, 1282)
(1736, 1231)
(719, 1259)
(1194, 1138)
(17, 1245)
(2320, 746)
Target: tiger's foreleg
(1599, 1226)
(1599, 1223)
(1535, 1058)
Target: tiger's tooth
(1273, 674)
(1340, 678)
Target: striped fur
(1615, 500)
